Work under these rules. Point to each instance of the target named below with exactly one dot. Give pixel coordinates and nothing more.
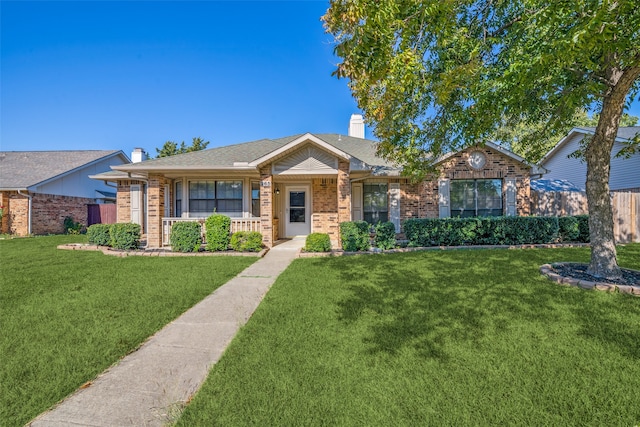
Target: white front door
(297, 211)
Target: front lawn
(467, 337)
(68, 315)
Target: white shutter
(136, 202)
(394, 209)
(510, 192)
(356, 201)
(444, 204)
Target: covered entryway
(297, 211)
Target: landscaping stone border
(340, 252)
(551, 273)
(154, 252)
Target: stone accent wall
(266, 206)
(324, 218)
(155, 207)
(498, 166)
(48, 212)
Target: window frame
(486, 209)
(371, 211)
(214, 195)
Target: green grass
(68, 315)
(468, 337)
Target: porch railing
(237, 224)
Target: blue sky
(118, 75)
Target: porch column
(344, 194)
(155, 210)
(266, 206)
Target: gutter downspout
(29, 197)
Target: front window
(376, 204)
(205, 197)
(476, 197)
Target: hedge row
(118, 236)
(496, 230)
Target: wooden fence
(626, 210)
(101, 214)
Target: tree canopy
(171, 148)
(434, 76)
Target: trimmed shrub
(318, 242)
(569, 229)
(72, 227)
(98, 234)
(185, 236)
(124, 236)
(481, 231)
(246, 241)
(385, 237)
(583, 228)
(218, 232)
(355, 236)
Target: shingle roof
(23, 169)
(626, 132)
(362, 149)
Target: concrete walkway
(149, 386)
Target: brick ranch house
(311, 183)
(38, 189)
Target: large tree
(171, 148)
(436, 75)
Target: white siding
(78, 183)
(625, 173)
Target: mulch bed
(579, 271)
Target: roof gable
(625, 134)
(20, 170)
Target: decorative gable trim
(309, 159)
(306, 138)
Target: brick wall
(48, 212)
(324, 218)
(155, 207)
(123, 200)
(498, 166)
(266, 206)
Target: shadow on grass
(425, 300)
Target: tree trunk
(598, 156)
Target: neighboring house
(311, 183)
(625, 172)
(38, 189)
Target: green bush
(385, 237)
(355, 236)
(218, 232)
(98, 234)
(72, 227)
(318, 242)
(583, 228)
(246, 241)
(569, 229)
(481, 231)
(186, 236)
(124, 236)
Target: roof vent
(138, 155)
(356, 126)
